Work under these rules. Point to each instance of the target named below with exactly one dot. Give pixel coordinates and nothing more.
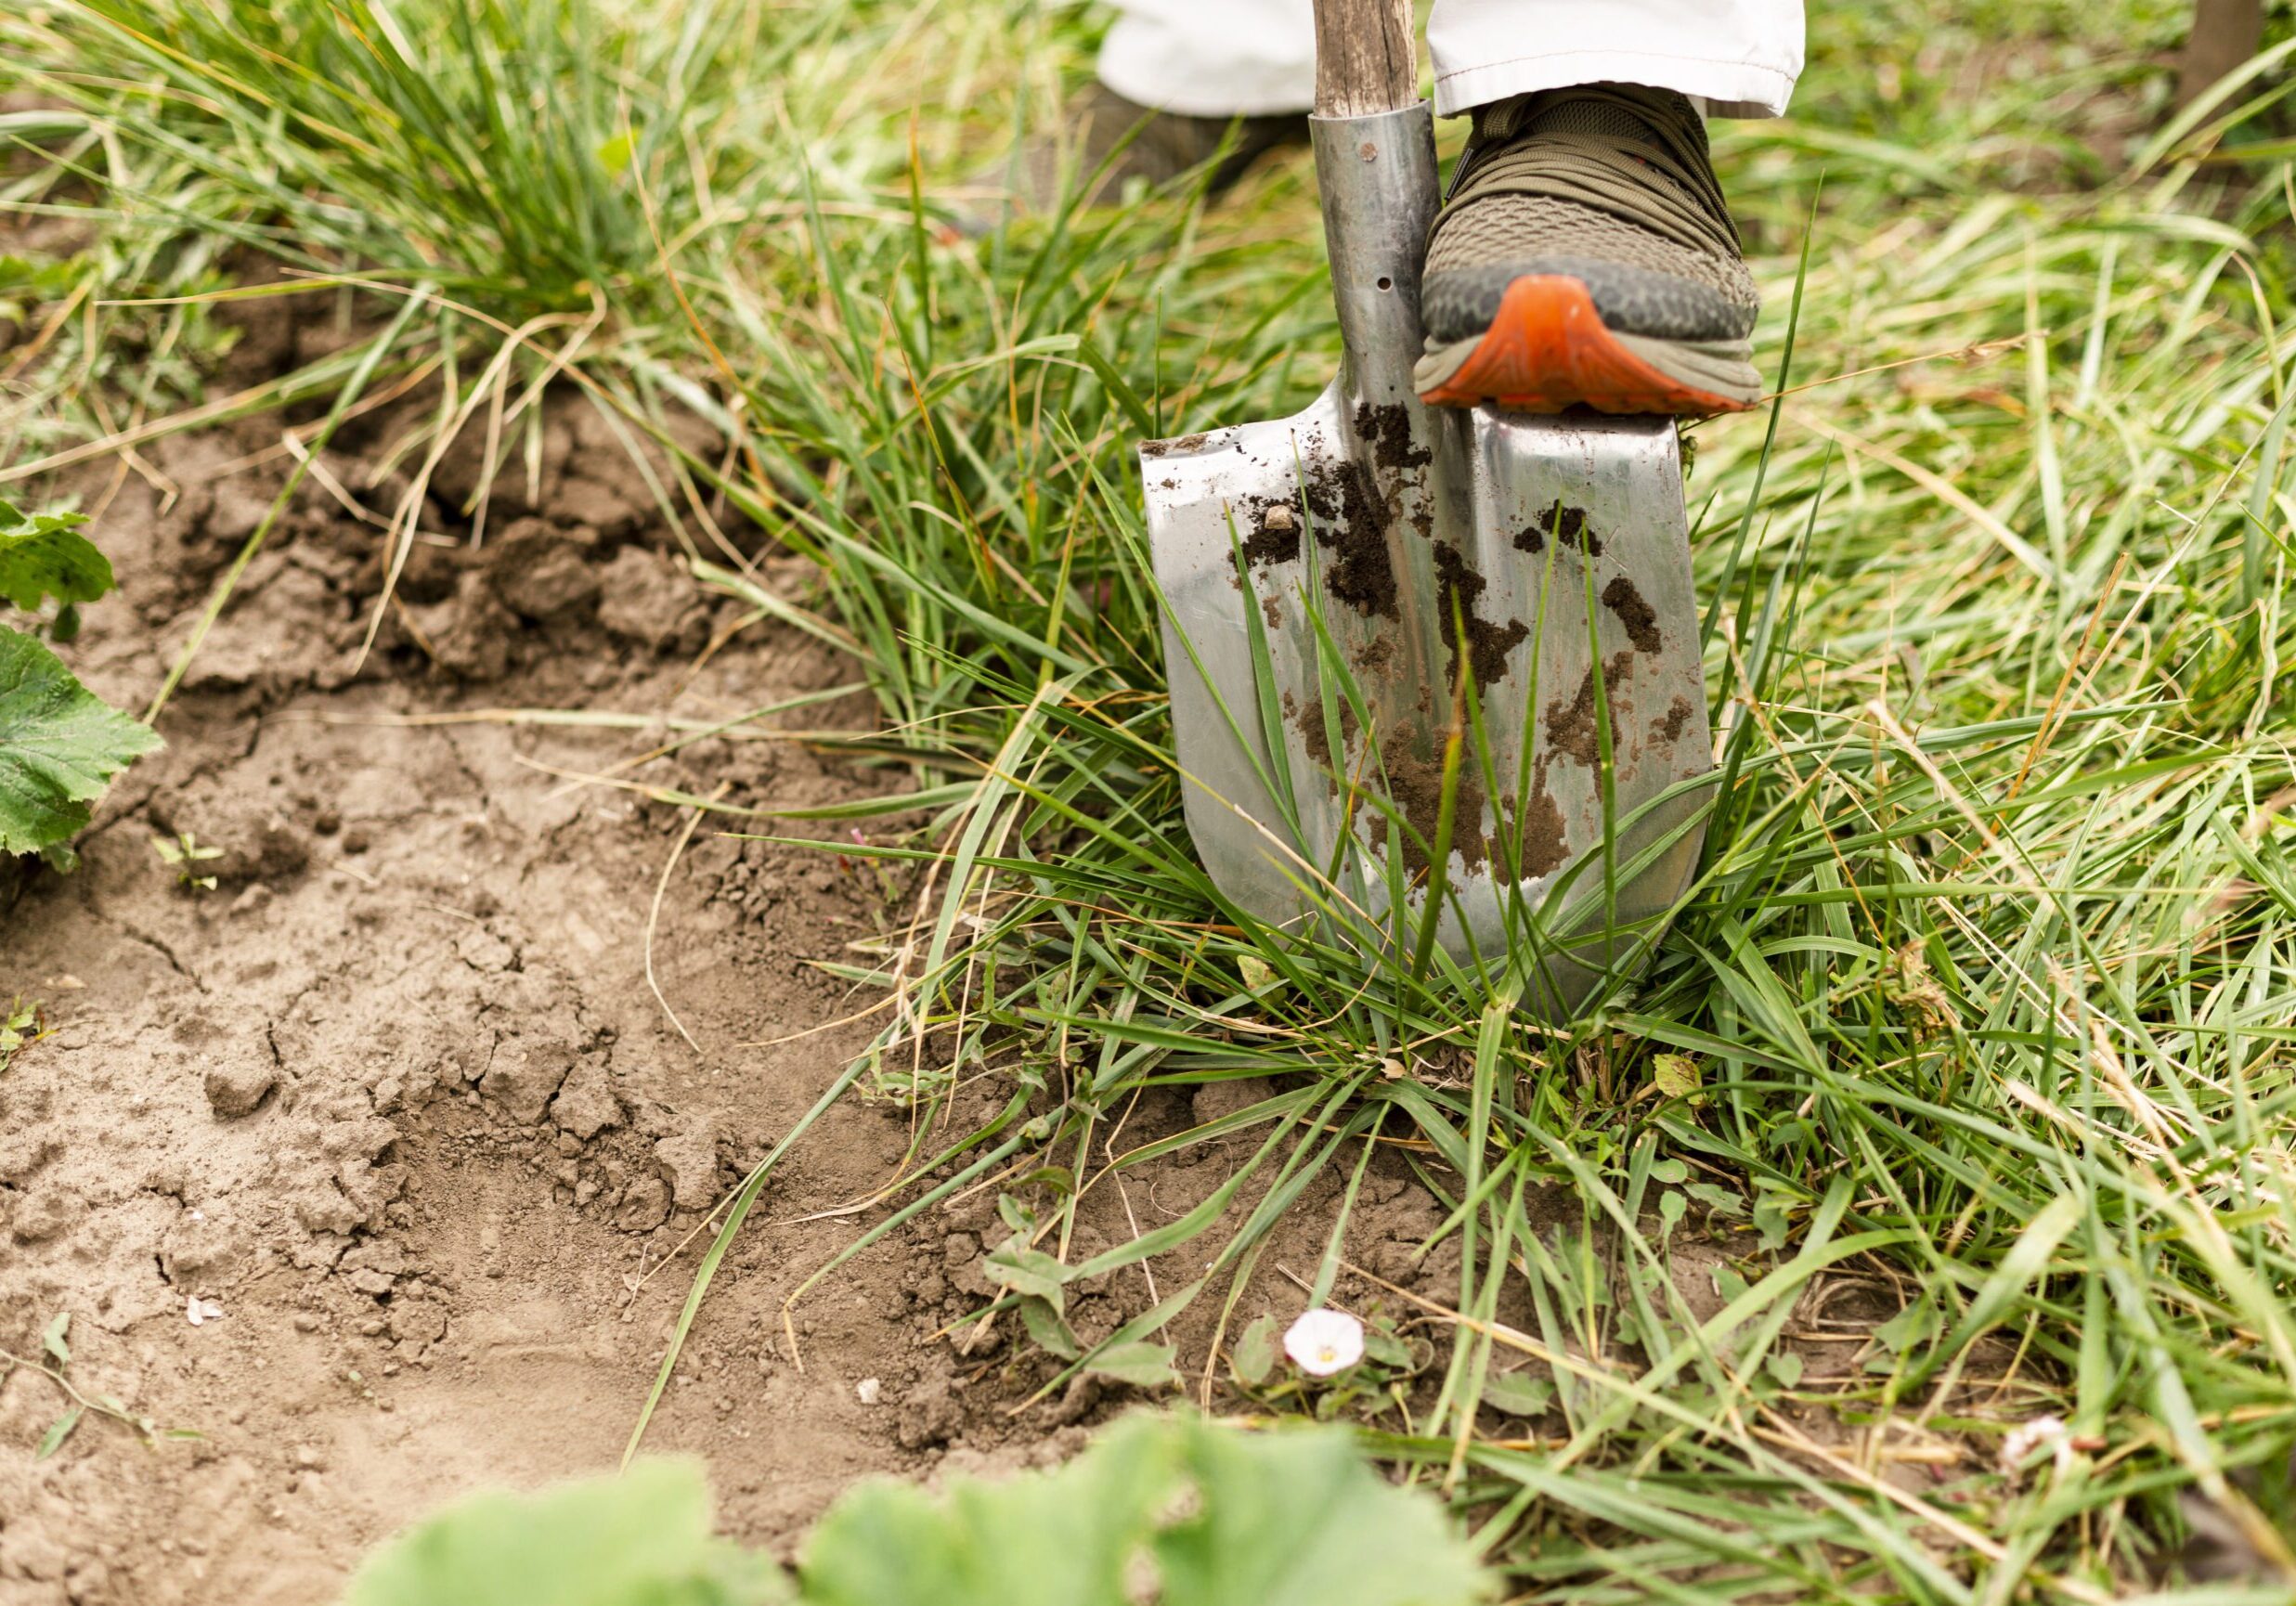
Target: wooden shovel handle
(1365, 62)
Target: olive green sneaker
(1586, 257)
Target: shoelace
(1663, 183)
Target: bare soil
(396, 1099)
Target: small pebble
(868, 1390)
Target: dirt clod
(1567, 524)
(689, 1159)
(1622, 597)
(1355, 531)
(543, 572)
(1315, 736)
(1670, 726)
(1275, 527)
(1541, 832)
(525, 1073)
(644, 598)
(586, 1106)
(237, 1080)
(1487, 643)
(1387, 430)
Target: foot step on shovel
(1435, 673)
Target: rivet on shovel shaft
(1548, 559)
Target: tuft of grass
(1973, 1028)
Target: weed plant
(1978, 1013)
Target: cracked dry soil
(395, 1096)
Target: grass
(1985, 979)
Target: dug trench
(394, 1108)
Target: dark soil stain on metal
(1275, 530)
(1271, 613)
(1360, 573)
(1317, 737)
(1458, 588)
(1669, 727)
(1193, 443)
(1639, 618)
(1387, 430)
(1567, 524)
(1538, 828)
(1572, 729)
(1415, 782)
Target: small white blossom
(2031, 1436)
(1323, 1342)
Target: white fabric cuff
(1145, 59)
(1728, 88)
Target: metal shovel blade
(1332, 578)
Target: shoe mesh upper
(1612, 183)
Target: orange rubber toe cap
(1547, 349)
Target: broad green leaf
(1910, 1328)
(1719, 1200)
(53, 1339)
(53, 1440)
(1046, 1326)
(1254, 1358)
(1143, 1365)
(1521, 1393)
(640, 1539)
(1289, 1518)
(46, 556)
(1298, 1519)
(60, 746)
(1059, 1538)
(1674, 1075)
(1785, 1366)
(1026, 1271)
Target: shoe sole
(1548, 349)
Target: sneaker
(1167, 145)
(1586, 256)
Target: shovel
(1436, 672)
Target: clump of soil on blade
(1358, 571)
(1415, 783)
(1567, 524)
(1573, 729)
(1487, 642)
(1622, 597)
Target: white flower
(2024, 1440)
(1323, 1342)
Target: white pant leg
(1246, 57)
(1740, 56)
(1212, 57)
